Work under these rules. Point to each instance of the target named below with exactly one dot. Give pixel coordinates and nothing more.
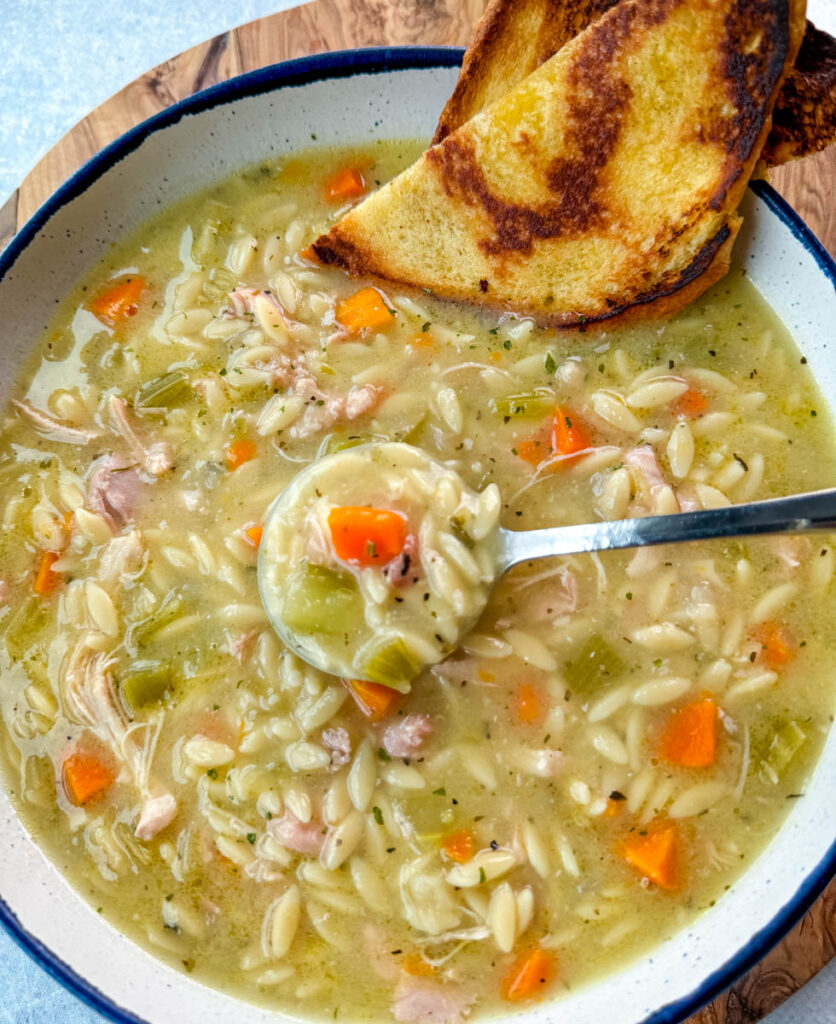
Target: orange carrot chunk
(309, 255)
(654, 853)
(374, 700)
(530, 704)
(364, 310)
(84, 777)
(253, 534)
(776, 648)
(417, 966)
(569, 436)
(531, 973)
(459, 845)
(45, 579)
(239, 452)
(120, 302)
(368, 536)
(690, 737)
(533, 452)
(345, 184)
(691, 404)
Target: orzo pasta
(608, 750)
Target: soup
(612, 745)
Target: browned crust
(663, 301)
(805, 110)
(804, 120)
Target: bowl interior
(341, 99)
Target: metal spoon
(813, 512)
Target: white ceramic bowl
(345, 98)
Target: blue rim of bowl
(342, 64)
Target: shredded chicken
(425, 1001)
(406, 737)
(123, 558)
(113, 490)
(54, 429)
(334, 408)
(155, 459)
(337, 740)
(90, 700)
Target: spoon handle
(814, 512)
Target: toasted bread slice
(514, 37)
(602, 185)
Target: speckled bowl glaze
(346, 98)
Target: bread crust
(541, 205)
(805, 109)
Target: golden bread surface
(514, 37)
(604, 184)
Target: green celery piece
(322, 600)
(340, 442)
(169, 610)
(163, 392)
(787, 740)
(528, 406)
(204, 247)
(23, 624)
(222, 283)
(145, 682)
(394, 665)
(595, 663)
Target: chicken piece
(113, 490)
(157, 813)
(424, 1001)
(407, 736)
(155, 459)
(300, 836)
(124, 557)
(337, 740)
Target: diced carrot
(309, 255)
(253, 534)
(613, 807)
(84, 777)
(120, 301)
(459, 845)
(239, 452)
(690, 736)
(530, 975)
(564, 434)
(530, 704)
(569, 436)
(368, 536)
(654, 853)
(417, 966)
(423, 340)
(776, 646)
(691, 404)
(345, 184)
(374, 700)
(496, 357)
(485, 676)
(45, 579)
(364, 310)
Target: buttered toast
(604, 184)
(514, 37)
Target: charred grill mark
(755, 48)
(598, 98)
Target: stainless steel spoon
(814, 512)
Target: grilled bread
(605, 183)
(514, 37)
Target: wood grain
(341, 24)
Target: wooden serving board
(341, 24)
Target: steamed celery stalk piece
(323, 600)
(786, 741)
(594, 664)
(527, 406)
(163, 392)
(171, 608)
(144, 683)
(392, 664)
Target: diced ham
(157, 813)
(337, 740)
(242, 303)
(424, 1001)
(113, 490)
(686, 502)
(54, 429)
(406, 737)
(241, 645)
(792, 551)
(303, 837)
(156, 458)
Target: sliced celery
(393, 664)
(322, 600)
(163, 392)
(23, 624)
(338, 442)
(221, 284)
(145, 682)
(787, 740)
(527, 406)
(205, 244)
(169, 610)
(595, 663)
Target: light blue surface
(59, 60)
